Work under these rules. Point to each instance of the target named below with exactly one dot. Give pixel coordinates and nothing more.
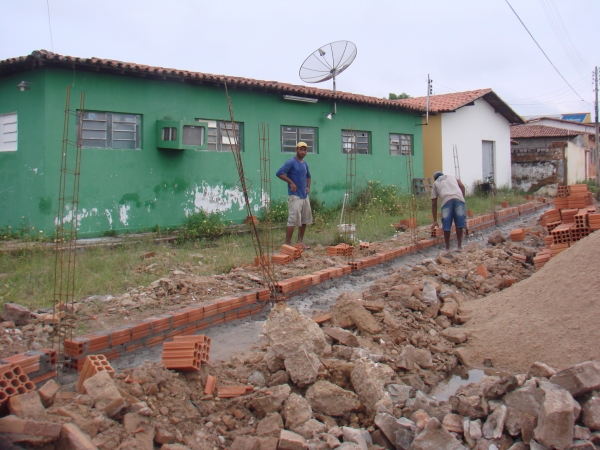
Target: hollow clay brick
(209, 387)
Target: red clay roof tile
(533, 131)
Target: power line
(50, 25)
(542, 50)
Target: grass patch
(27, 277)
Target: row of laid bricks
(190, 320)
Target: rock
(244, 443)
(141, 431)
(580, 378)
(289, 332)
(33, 432)
(405, 435)
(303, 367)
(413, 381)
(516, 446)
(453, 423)
(257, 379)
(582, 445)
(364, 320)
(501, 387)
(540, 370)
(591, 413)
(434, 437)
(105, 393)
(420, 419)
(449, 309)
(463, 356)
(555, 423)
(379, 438)
(400, 393)
(296, 411)
(273, 362)
(494, 425)
(110, 439)
(310, 429)
(278, 378)
(528, 424)
(164, 436)
(581, 433)
(406, 359)
(16, 313)
(288, 440)
(344, 337)
(48, 392)
(356, 437)
(330, 399)
(369, 380)
(26, 406)
(496, 238)
(471, 247)
(271, 425)
(473, 406)
(443, 321)
(521, 401)
(472, 431)
(456, 335)
(271, 402)
(72, 438)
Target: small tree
(399, 96)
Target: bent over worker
(452, 193)
(296, 174)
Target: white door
(488, 159)
(8, 132)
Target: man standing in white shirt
(452, 192)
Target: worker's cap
(301, 144)
(436, 175)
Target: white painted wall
(467, 128)
(575, 156)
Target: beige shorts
(299, 212)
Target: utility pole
(597, 152)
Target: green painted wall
(138, 189)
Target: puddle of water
(450, 385)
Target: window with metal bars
(111, 130)
(401, 144)
(290, 136)
(220, 135)
(359, 141)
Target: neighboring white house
(475, 125)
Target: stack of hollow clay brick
(541, 259)
(339, 250)
(38, 365)
(186, 353)
(594, 221)
(288, 254)
(13, 381)
(517, 235)
(363, 246)
(93, 364)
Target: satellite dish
(327, 62)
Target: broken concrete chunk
(357, 437)
(26, 406)
(369, 380)
(453, 423)
(456, 335)
(303, 367)
(48, 392)
(413, 381)
(296, 411)
(271, 402)
(580, 378)
(399, 393)
(591, 413)
(494, 425)
(344, 337)
(288, 440)
(406, 359)
(331, 399)
(271, 425)
(16, 313)
(72, 438)
(32, 432)
(245, 443)
(555, 423)
(103, 390)
(434, 437)
(310, 429)
(540, 370)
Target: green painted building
(156, 142)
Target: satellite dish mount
(327, 62)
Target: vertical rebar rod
(350, 195)
(412, 201)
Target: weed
(109, 233)
(202, 226)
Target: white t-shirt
(446, 187)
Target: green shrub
(201, 225)
(385, 198)
(278, 212)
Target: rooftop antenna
(327, 62)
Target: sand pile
(553, 316)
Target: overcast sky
(462, 44)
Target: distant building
(476, 124)
(585, 117)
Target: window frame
(346, 144)
(400, 151)
(6, 146)
(216, 130)
(112, 125)
(286, 136)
